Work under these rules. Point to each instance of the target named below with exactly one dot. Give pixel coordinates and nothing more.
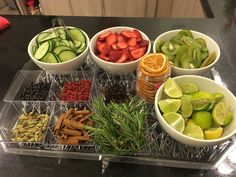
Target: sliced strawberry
(100, 46)
(128, 34)
(114, 46)
(103, 57)
(123, 58)
(122, 45)
(130, 58)
(138, 53)
(111, 39)
(133, 47)
(138, 34)
(103, 36)
(106, 50)
(132, 42)
(115, 55)
(120, 38)
(143, 43)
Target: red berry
(138, 53)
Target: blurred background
(122, 8)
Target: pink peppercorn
(76, 91)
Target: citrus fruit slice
(186, 97)
(172, 89)
(175, 120)
(194, 132)
(203, 119)
(201, 100)
(190, 123)
(217, 96)
(213, 133)
(154, 63)
(169, 105)
(221, 113)
(186, 108)
(188, 88)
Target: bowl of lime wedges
(196, 111)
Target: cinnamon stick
(67, 131)
(76, 125)
(59, 123)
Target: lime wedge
(201, 100)
(169, 105)
(190, 123)
(203, 119)
(188, 88)
(213, 133)
(217, 96)
(186, 97)
(186, 108)
(175, 120)
(194, 132)
(172, 89)
(221, 113)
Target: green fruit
(203, 119)
(172, 89)
(169, 105)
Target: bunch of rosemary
(119, 128)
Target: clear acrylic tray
(163, 150)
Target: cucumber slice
(77, 44)
(77, 35)
(42, 50)
(58, 49)
(34, 48)
(50, 36)
(66, 42)
(51, 45)
(50, 58)
(81, 48)
(66, 55)
(42, 36)
(61, 31)
(63, 36)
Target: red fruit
(130, 58)
(128, 34)
(103, 57)
(111, 39)
(143, 43)
(100, 46)
(132, 42)
(115, 55)
(103, 36)
(135, 47)
(123, 58)
(120, 38)
(138, 53)
(122, 45)
(114, 47)
(138, 34)
(106, 50)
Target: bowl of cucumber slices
(59, 49)
(189, 52)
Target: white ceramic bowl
(211, 45)
(116, 68)
(60, 67)
(204, 84)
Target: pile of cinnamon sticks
(70, 126)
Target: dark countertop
(13, 57)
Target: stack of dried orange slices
(152, 71)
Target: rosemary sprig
(119, 128)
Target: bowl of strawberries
(117, 50)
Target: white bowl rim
(119, 27)
(185, 136)
(57, 64)
(197, 32)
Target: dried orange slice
(154, 63)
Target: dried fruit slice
(154, 63)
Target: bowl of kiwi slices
(189, 52)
